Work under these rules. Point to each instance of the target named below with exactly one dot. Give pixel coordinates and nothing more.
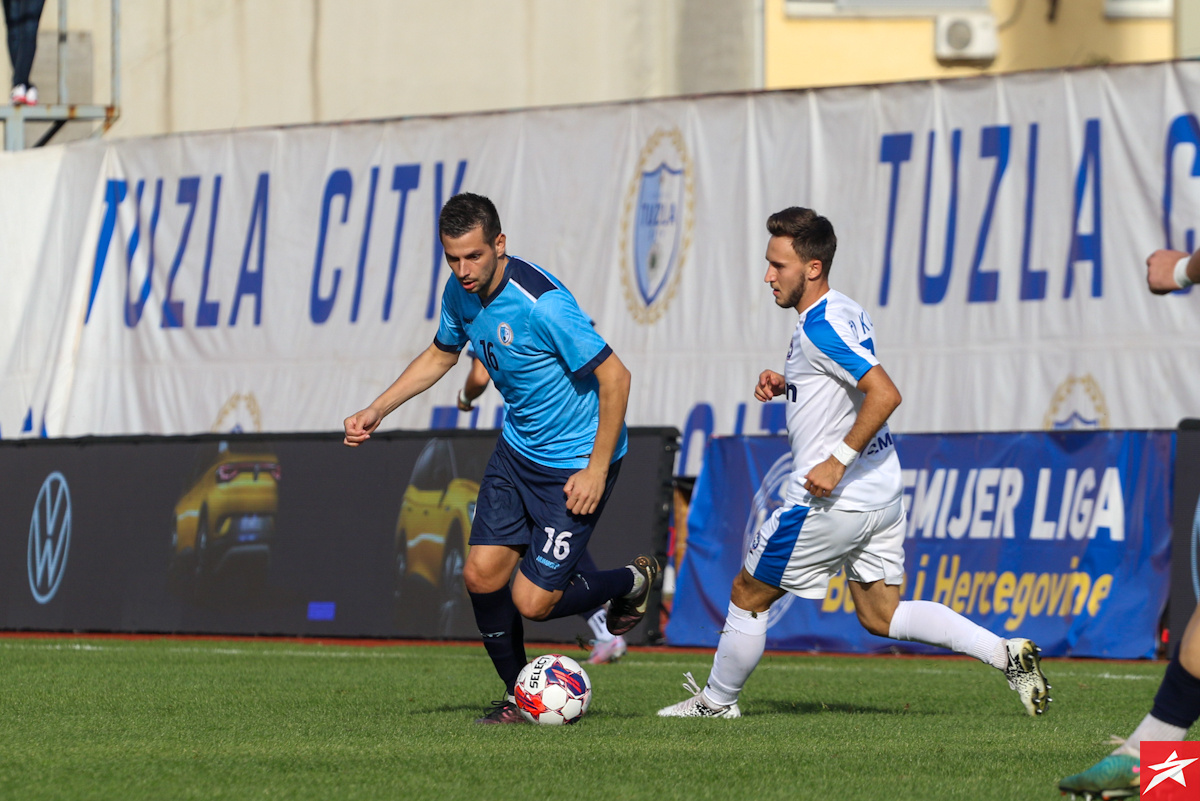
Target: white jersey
(832, 348)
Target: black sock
(587, 564)
(1178, 698)
(503, 632)
(589, 590)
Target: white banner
(994, 228)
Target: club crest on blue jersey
(656, 228)
(505, 333)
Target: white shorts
(799, 549)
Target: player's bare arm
(1163, 271)
(421, 374)
(585, 488)
(770, 385)
(880, 399)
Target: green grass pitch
(246, 719)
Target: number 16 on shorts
(557, 545)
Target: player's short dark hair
(811, 234)
(467, 211)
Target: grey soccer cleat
(698, 706)
(1024, 674)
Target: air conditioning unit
(965, 36)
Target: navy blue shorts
(522, 504)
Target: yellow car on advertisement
(225, 518)
(434, 524)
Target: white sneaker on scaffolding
(609, 651)
(698, 706)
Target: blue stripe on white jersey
(823, 335)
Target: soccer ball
(553, 690)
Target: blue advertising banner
(1062, 537)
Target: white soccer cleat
(698, 706)
(1024, 674)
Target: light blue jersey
(540, 351)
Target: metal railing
(60, 112)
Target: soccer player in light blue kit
(606, 646)
(558, 455)
(843, 506)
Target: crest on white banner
(1078, 403)
(656, 227)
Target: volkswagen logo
(49, 537)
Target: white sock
(598, 622)
(935, 624)
(1151, 728)
(743, 641)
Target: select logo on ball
(553, 690)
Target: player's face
(474, 261)
(787, 273)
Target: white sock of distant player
(742, 643)
(935, 624)
(1152, 729)
(599, 625)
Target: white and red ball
(553, 689)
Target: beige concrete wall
(1187, 28)
(189, 65)
(840, 50)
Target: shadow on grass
(780, 707)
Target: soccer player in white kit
(843, 505)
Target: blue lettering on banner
(1184, 129)
(339, 184)
(984, 285)
(189, 193)
(700, 421)
(208, 311)
(250, 279)
(1033, 282)
(114, 193)
(405, 178)
(933, 287)
(250, 282)
(444, 417)
(434, 283)
(134, 309)
(773, 418)
(362, 251)
(894, 149)
(1087, 247)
